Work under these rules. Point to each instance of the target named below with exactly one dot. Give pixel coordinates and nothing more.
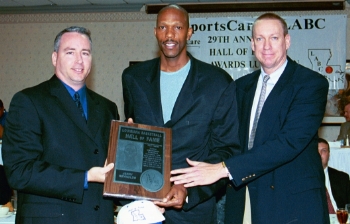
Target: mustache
(171, 41)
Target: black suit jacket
(5, 190)
(203, 122)
(47, 148)
(283, 169)
(340, 185)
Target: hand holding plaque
(142, 157)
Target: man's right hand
(98, 174)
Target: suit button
(96, 151)
(272, 187)
(97, 207)
(243, 179)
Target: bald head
(177, 7)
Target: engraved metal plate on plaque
(142, 157)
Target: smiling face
(172, 33)
(270, 44)
(73, 59)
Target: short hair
(76, 29)
(272, 16)
(175, 6)
(321, 140)
(343, 99)
(1, 104)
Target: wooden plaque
(142, 161)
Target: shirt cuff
(86, 185)
(228, 173)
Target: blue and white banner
(317, 42)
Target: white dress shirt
(329, 188)
(269, 86)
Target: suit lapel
(185, 99)
(94, 113)
(274, 101)
(246, 106)
(153, 93)
(67, 104)
(334, 186)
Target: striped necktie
(258, 110)
(330, 206)
(78, 103)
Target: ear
(189, 33)
(288, 41)
(54, 58)
(252, 44)
(155, 31)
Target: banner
(317, 42)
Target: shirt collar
(276, 74)
(81, 91)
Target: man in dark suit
(337, 182)
(196, 100)
(3, 114)
(5, 190)
(55, 145)
(280, 164)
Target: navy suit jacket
(48, 146)
(283, 169)
(203, 121)
(340, 185)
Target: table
(340, 159)
(333, 219)
(8, 220)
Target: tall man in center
(196, 100)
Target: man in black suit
(55, 143)
(3, 114)
(337, 182)
(280, 164)
(5, 190)
(196, 100)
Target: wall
(27, 44)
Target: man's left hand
(175, 198)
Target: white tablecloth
(8, 220)
(340, 159)
(333, 219)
